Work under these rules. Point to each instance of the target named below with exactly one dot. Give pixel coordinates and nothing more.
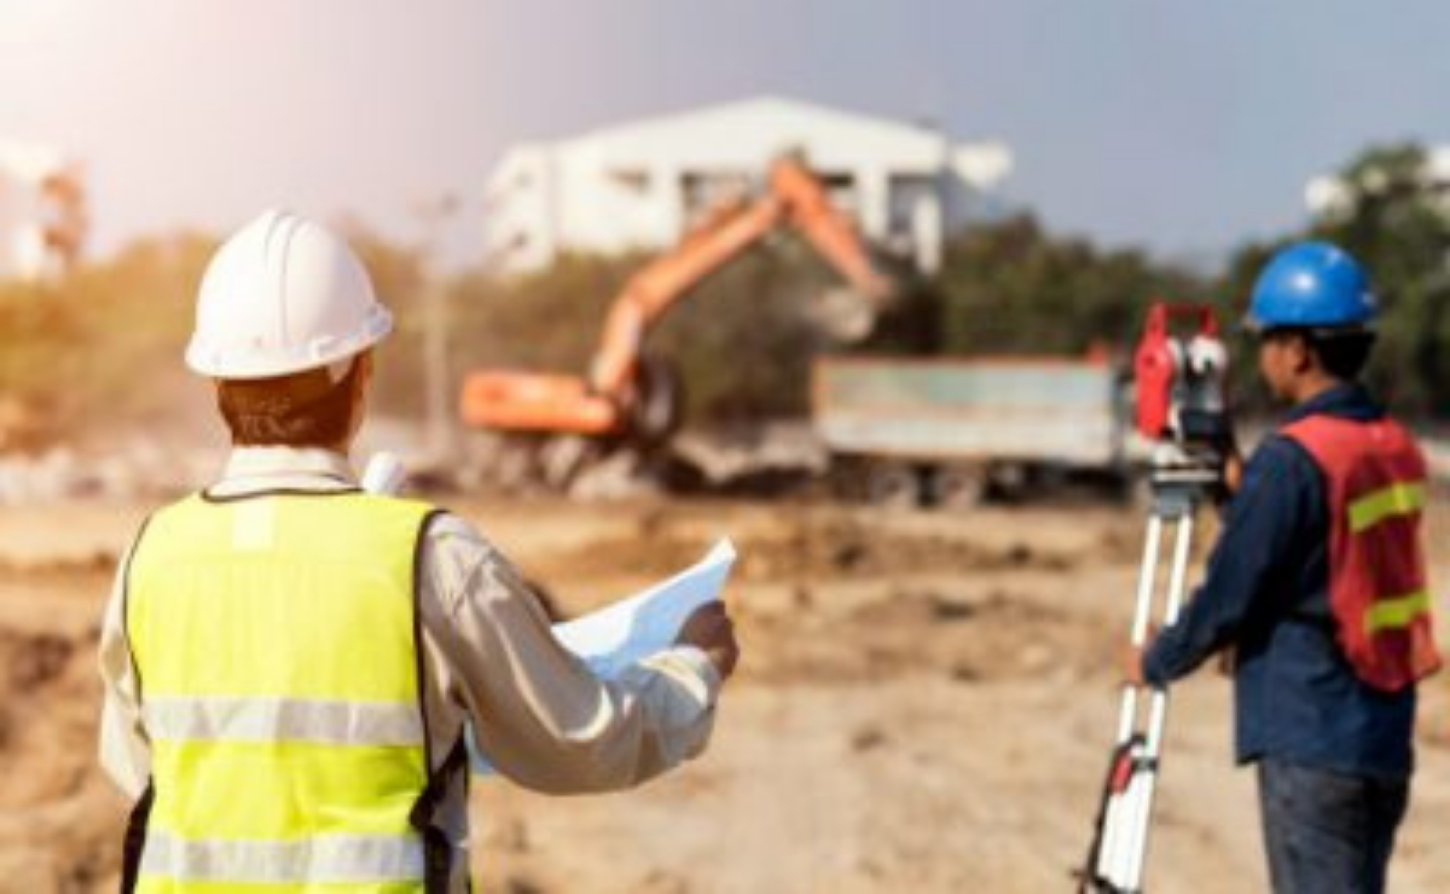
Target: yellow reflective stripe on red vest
(282, 719)
(320, 860)
(1396, 613)
(1402, 498)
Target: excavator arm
(829, 231)
(662, 282)
(600, 405)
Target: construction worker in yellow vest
(290, 662)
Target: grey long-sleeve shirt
(540, 715)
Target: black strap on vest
(437, 849)
(135, 840)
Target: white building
(638, 186)
(42, 212)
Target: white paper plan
(622, 633)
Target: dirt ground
(924, 704)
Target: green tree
(1010, 287)
(103, 346)
(1394, 217)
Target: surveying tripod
(1181, 407)
(1120, 842)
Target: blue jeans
(1328, 832)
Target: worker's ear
(365, 369)
(362, 377)
(1302, 358)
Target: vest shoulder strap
(1339, 445)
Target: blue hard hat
(1312, 285)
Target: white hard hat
(281, 296)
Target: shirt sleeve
(1274, 505)
(540, 715)
(125, 752)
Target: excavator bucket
(844, 314)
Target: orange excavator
(624, 398)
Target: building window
(636, 180)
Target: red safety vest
(1375, 477)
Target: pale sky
(1184, 126)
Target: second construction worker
(290, 662)
(1318, 585)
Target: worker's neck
(1313, 385)
(342, 450)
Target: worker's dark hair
(306, 409)
(1342, 353)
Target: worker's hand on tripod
(1132, 660)
(710, 630)
(1233, 472)
(1231, 469)
(1133, 666)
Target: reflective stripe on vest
(1375, 489)
(1398, 499)
(274, 641)
(1396, 612)
(319, 860)
(281, 719)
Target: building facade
(639, 186)
(42, 212)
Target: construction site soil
(925, 703)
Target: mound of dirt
(58, 819)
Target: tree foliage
(1011, 287)
(104, 344)
(1395, 219)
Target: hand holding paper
(621, 634)
(711, 630)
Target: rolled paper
(384, 475)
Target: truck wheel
(957, 487)
(563, 457)
(894, 486)
(658, 406)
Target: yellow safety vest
(275, 639)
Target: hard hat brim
(206, 360)
(1254, 326)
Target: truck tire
(894, 485)
(957, 487)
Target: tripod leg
(1113, 852)
(1142, 612)
(1158, 717)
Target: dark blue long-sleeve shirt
(1266, 595)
